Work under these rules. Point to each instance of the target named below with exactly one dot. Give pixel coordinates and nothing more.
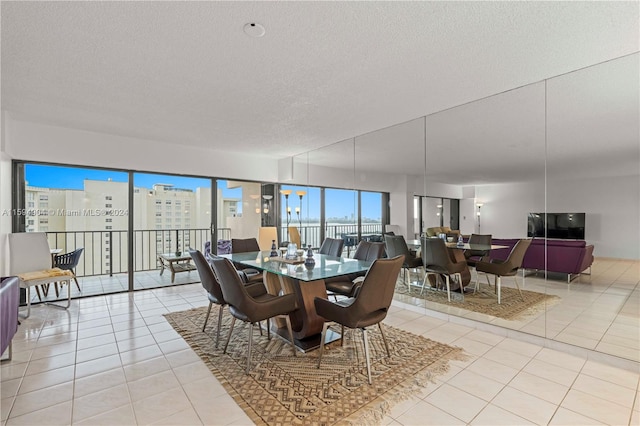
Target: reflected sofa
(571, 257)
(435, 230)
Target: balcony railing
(106, 252)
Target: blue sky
(339, 203)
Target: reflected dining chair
(472, 256)
(438, 263)
(345, 285)
(396, 245)
(505, 268)
(369, 306)
(332, 247)
(248, 308)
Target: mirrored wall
(568, 144)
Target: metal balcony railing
(106, 252)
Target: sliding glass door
(171, 215)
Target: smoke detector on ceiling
(253, 29)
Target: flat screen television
(568, 226)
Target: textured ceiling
(184, 72)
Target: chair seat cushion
(340, 287)
(44, 276)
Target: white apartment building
(96, 218)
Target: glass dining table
(307, 283)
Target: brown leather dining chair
(438, 263)
(332, 247)
(344, 285)
(472, 255)
(212, 286)
(246, 245)
(368, 307)
(506, 268)
(251, 309)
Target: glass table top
(325, 266)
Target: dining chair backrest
(435, 255)
(266, 235)
(516, 257)
(28, 252)
(376, 292)
(68, 261)
(484, 239)
(207, 277)
(294, 236)
(245, 245)
(332, 247)
(369, 251)
(396, 246)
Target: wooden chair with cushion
(369, 306)
(30, 260)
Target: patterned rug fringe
(282, 389)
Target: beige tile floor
(600, 311)
(114, 360)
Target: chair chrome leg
(55, 305)
(515, 278)
(458, 278)
(233, 322)
(322, 337)
(498, 287)
(384, 339)
(269, 329)
(293, 342)
(446, 279)
(219, 324)
(366, 353)
(206, 319)
(249, 349)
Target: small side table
(175, 263)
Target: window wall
(78, 208)
(157, 218)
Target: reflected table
(306, 283)
(456, 253)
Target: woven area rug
(485, 301)
(282, 389)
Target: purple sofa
(571, 257)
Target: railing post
(111, 253)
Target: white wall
(612, 207)
(41, 142)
